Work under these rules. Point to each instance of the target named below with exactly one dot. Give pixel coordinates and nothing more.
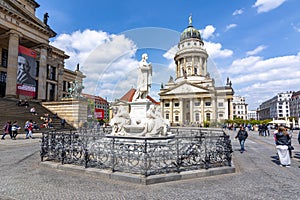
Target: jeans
(242, 143)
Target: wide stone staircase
(9, 111)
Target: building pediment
(20, 14)
(186, 88)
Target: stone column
(181, 106)
(202, 111)
(42, 73)
(214, 109)
(191, 110)
(12, 64)
(201, 66)
(171, 111)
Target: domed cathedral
(31, 68)
(192, 97)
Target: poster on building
(99, 113)
(26, 83)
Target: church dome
(190, 32)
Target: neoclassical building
(22, 34)
(192, 97)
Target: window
(197, 103)
(207, 104)
(167, 104)
(221, 115)
(197, 117)
(167, 116)
(51, 73)
(4, 58)
(220, 104)
(176, 118)
(3, 77)
(207, 116)
(176, 104)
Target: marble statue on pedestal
(144, 78)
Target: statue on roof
(46, 16)
(190, 20)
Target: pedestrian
(63, 123)
(7, 130)
(299, 137)
(14, 130)
(282, 140)
(29, 127)
(242, 136)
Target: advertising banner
(99, 113)
(26, 83)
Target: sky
(253, 42)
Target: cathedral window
(197, 117)
(167, 116)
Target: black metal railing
(182, 151)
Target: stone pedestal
(74, 111)
(138, 110)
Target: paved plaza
(258, 176)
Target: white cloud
(230, 26)
(207, 32)
(238, 12)
(105, 59)
(215, 50)
(267, 5)
(260, 79)
(256, 50)
(297, 28)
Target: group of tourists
(12, 129)
(283, 142)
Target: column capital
(15, 33)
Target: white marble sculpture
(144, 78)
(120, 119)
(144, 119)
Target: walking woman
(282, 140)
(242, 136)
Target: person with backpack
(242, 136)
(14, 130)
(29, 126)
(7, 130)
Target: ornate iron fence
(184, 150)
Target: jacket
(242, 135)
(281, 139)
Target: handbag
(290, 147)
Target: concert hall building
(25, 38)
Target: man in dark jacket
(242, 136)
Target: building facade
(276, 107)
(252, 114)
(192, 97)
(240, 107)
(98, 108)
(25, 38)
(295, 105)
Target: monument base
(74, 111)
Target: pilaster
(12, 64)
(42, 73)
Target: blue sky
(253, 42)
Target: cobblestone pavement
(258, 176)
